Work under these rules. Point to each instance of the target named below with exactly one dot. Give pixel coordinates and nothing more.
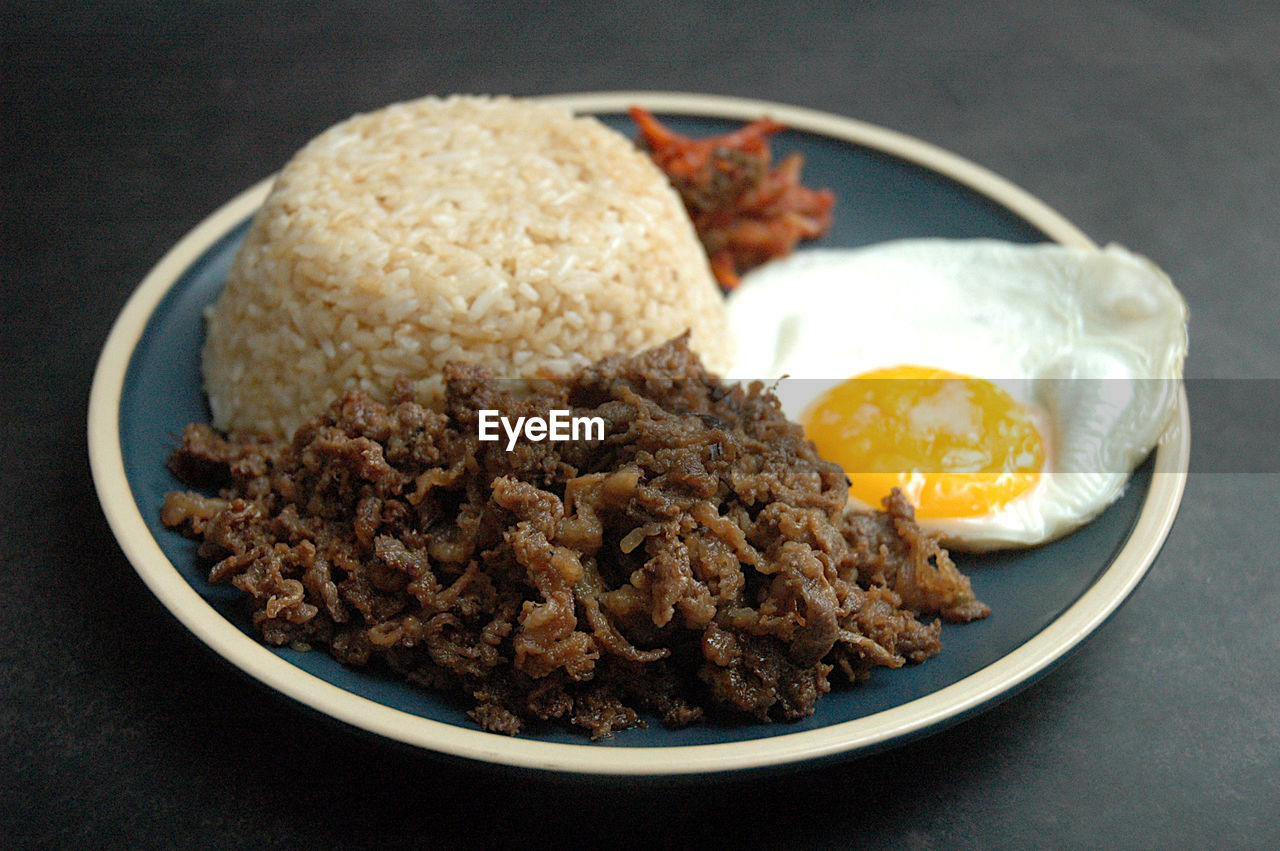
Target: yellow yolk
(956, 446)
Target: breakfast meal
(468, 423)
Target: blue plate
(888, 186)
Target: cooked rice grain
(494, 231)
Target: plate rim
(950, 704)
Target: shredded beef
(696, 561)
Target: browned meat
(698, 560)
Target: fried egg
(1009, 390)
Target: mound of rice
(487, 230)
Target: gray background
(1156, 125)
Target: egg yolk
(956, 446)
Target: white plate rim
(949, 704)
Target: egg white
(1091, 342)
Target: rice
(494, 231)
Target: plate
(1044, 601)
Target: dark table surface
(1153, 124)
